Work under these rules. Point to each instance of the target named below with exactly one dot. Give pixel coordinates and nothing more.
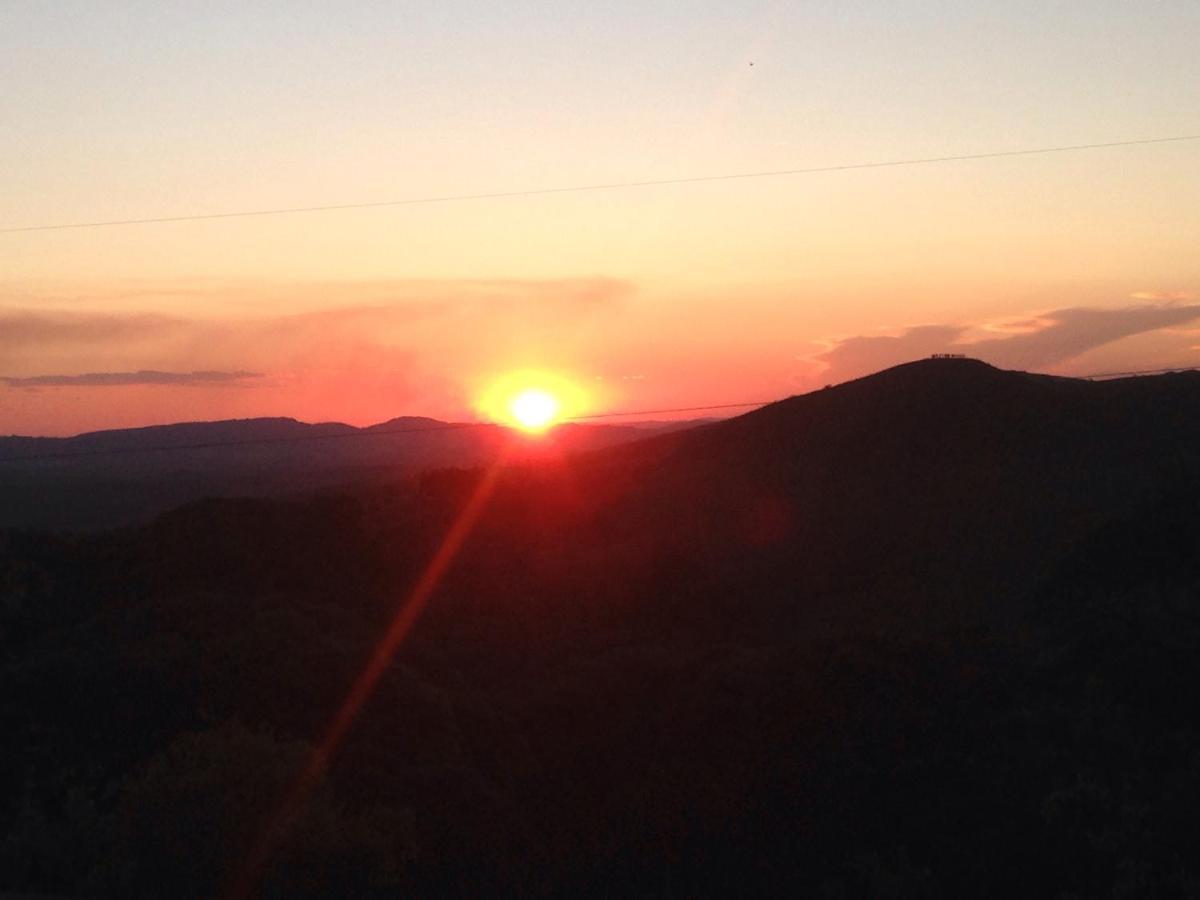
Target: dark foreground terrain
(933, 633)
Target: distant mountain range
(103, 479)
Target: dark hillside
(936, 481)
(932, 633)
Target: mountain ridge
(102, 479)
(928, 634)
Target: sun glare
(534, 410)
(532, 400)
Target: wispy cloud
(373, 309)
(23, 328)
(1036, 342)
(1164, 296)
(1072, 332)
(351, 350)
(121, 379)
(854, 356)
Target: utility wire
(605, 186)
(677, 409)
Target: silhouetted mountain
(105, 479)
(895, 485)
(932, 633)
(894, 480)
(406, 422)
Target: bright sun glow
(534, 409)
(533, 400)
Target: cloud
(122, 379)
(1018, 326)
(1072, 332)
(1164, 296)
(592, 291)
(855, 356)
(21, 328)
(351, 350)
(373, 309)
(1032, 343)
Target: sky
(647, 298)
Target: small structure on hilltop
(947, 356)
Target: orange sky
(665, 296)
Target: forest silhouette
(930, 633)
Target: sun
(534, 409)
(533, 400)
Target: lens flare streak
(246, 881)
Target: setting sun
(533, 400)
(534, 410)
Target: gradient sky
(665, 296)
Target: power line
(677, 409)
(605, 186)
